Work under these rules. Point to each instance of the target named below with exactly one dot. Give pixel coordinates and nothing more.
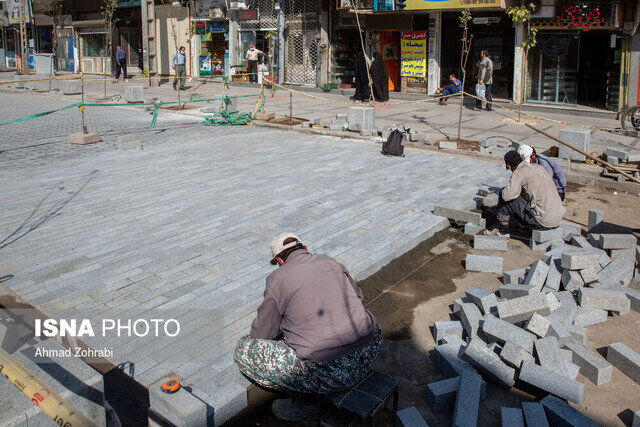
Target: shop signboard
(13, 11)
(413, 53)
(200, 27)
(128, 3)
(217, 26)
(382, 5)
(453, 4)
(248, 15)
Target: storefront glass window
(94, 45)
(45, 40)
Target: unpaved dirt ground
(417, 289)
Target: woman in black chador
(379, 78)
(363, 92)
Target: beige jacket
(485, 71)
(539, 190)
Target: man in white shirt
(252, 63)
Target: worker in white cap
(554, 170)
(312, 334)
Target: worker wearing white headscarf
(529, 155)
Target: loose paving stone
(620, 154)
(578, 333)
(629, 253)
(501, 331)
(572, 280)
(554, 276)
(511, 417)
(537, 274)
(604, 299)
(465, 412)
(472, 228)
(634, 297)
(515, 291)
(470, 317)
(593, 366)
(589, 316)
(489, 364)
(457, 214)
(617, 272)
(589, 275)
(484, 299)
(577, 260)
(566, 313)
(550, 381)
(534, 415)
(522, 308)
(450, 145)
(580, 138)
(447, 359)
(596, 216)
(491, 243)
(442, 328)
(617, 241)
(410, 417)
(514, 355)
(636, 419)
(538, 325)
(549, 356)
(441, 395)
(541, 236)
(488, 264)
(560, 413)
(514, 276)
(625, 359)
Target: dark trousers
(121, 66)
(252, 69)
(487, 96)
(181, 72)
(518, 212)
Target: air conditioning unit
(216, 13)
(237, 5)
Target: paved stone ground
(175, 222)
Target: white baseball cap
(525, 152)
(278, 245)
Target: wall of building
(170, 20)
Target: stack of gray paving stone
(534, 330)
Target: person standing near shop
(485, 76)
(121, 63)
(179, 64)
(252, 63)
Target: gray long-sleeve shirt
(485, 71)
(178, 58)
(555, 172)
(540, 191)
(318, 307)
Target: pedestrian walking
(379, 78)
(485, 76)
(121, 63)
(179, 64)
(252, 63)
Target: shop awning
(89, 23)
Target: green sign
(128, 3)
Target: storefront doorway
(265, 40)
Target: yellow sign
(413, 53)
(452, 4)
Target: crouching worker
(329, 339)
(529, 200)
(529, 155)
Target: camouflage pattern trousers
(275, 365)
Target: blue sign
(382, 5)
(217, 26)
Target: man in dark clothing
(485, 76)
(252, 63)
(121, 63)
(379, 78)
(361, 79)
(452, 88)
(330, 340)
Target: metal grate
(302, 32)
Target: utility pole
(24, 42)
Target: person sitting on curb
(452, 88)
(329, 339)
(530, 199)
(554, 170)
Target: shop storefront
(213, 55)
(345, 45)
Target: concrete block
(545, 246)
(614, 152)
(457, 214)
(567, 355)
(534, 415)
(362, 118)
(596, 216)
(538, 325)
(500, 331)
(589, 316)
(419, 137)
(593, 366)
(616, 273)
(450, 145)
(441, 395)
(345, 127)
(470, 316)
(554, 276)
(455, 339)
(567, 310)
(522, 308)
(133, 94)
(549, 356)
(487, 264)
(605, 299)
(632, 294)
(18, 80)
(578, 333)
(540, 236)
(558, 330)
(549, 381)
(510, 291)
(580, 138)
(625, 359)
(613, 160)
(442, 328)
(491, 243)
(572, 370)
(410, 417)
(511, 417)
(465, 412)
(557, 252)
(335, 127)
(514, 355)
(537, 274)
(180, 408)
(514, 276)
(618, 241)
(589, 275)
(471, 228)
(71, 87)
(577, 260)
(552, 301)
(490, 200)
(560, 413)
(569, 230)
(629, 253)
(81, 138)
(483, 298)
(447, 359)
(457, 304)
(489, 364)
(571, 280)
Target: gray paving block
(629, 253)
(510, 291)
(554, 276)
(537, 274)
(636, 419)
(491, 243)
(489, 364)
(511, 417)
(457, 214)
(483, 298)
(579, 259)
(580, 138)
(361, 118)
(490, 200)
(500, 331)
(549, 356)
(522, 308)
(559, 330)
(557, 252)
(410, 417)
(549, 381)
(133, 94)
(604, 299)
(560, 413)
(472, 228)
(566, 313)
(569, 230)
(442, 328)
(441, 395)
(514, 355)
(447, 359)
(589, 316)
(465, 412)
(593, 366)
(616, 273)
(618, 241)
(71, 87)
(614, 152)
(578, 333)
(572, 370)
(470, 317)
(596, 216)
(634, 297)
(572, 280)
(589, 275)
(514, 276)
(625, 359)
(541, 236)
(457, 304)
(534, 415)
(450, 145)
(488, 264)
(545, 246)
(538, 325)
